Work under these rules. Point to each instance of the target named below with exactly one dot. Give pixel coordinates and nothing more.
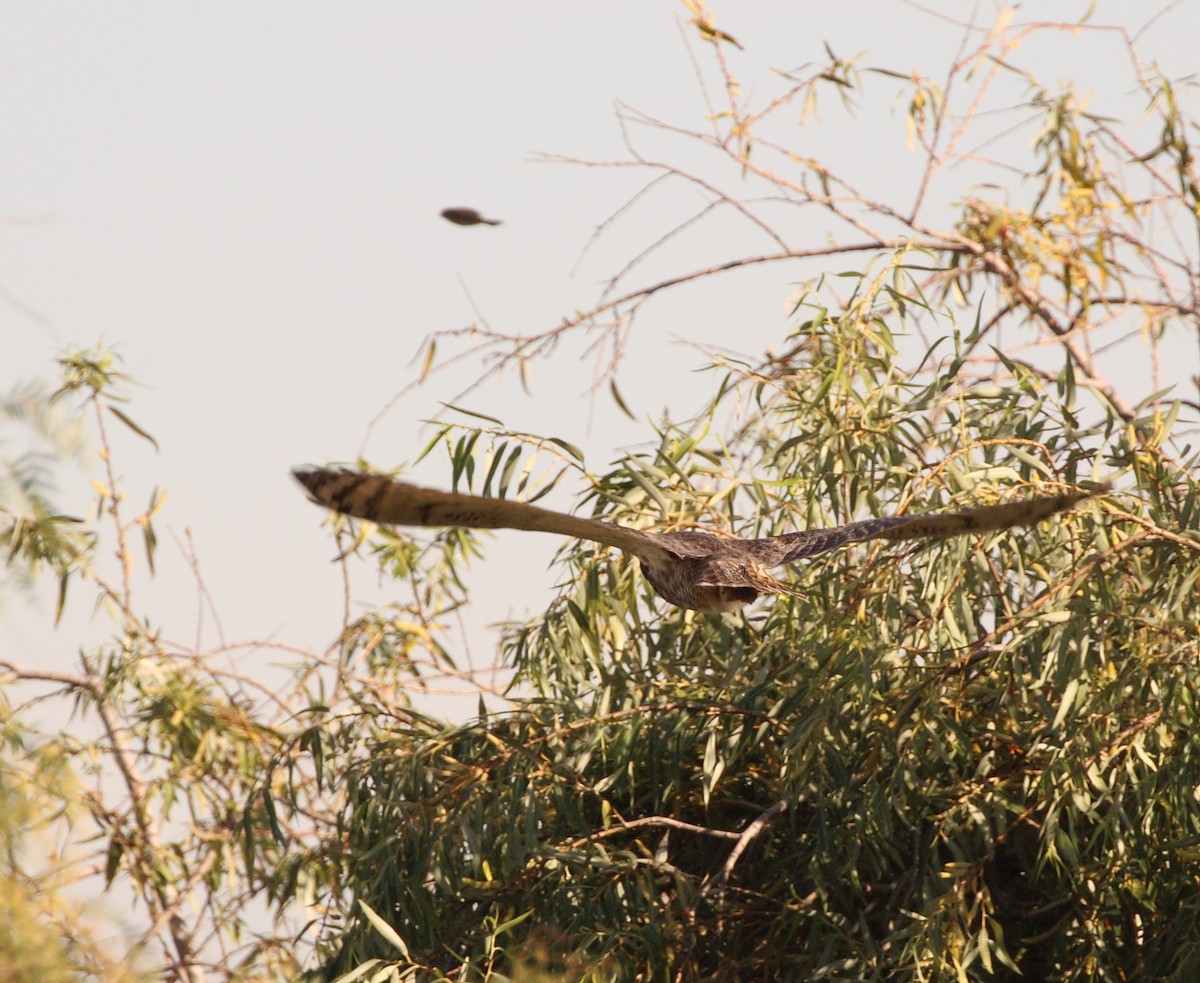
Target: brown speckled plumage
(694, 570)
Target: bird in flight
(467, 216)
(695, 570)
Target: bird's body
(695, 570)
(467, 216)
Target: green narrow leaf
(1065, 704)
(478, 416)
(545, 489)
(116, 850)
(507, 472)
(827, 382)
(444, 429)
(713, 767)
(312, 742)
(430, 355)
(132, 426)
(385, 930)
(512, 923)
(272, 821)
(358, 972)
(984, 949)
(620, 400)
(150, 540)
(650, 489)
(62, 597)
(462, 459)
(496, 453)
(571, 449)
(247, 838)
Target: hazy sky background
(243, 199)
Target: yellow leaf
(430, 352)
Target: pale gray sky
(244, 199)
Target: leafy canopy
(965, 760)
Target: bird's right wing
(934, 525)
(385, 500)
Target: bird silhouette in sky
(467, 216)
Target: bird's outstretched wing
(691, 569)
(935, 525)
(385, 500)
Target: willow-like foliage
(968, 759)
(965, 760)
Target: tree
(970, 760)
